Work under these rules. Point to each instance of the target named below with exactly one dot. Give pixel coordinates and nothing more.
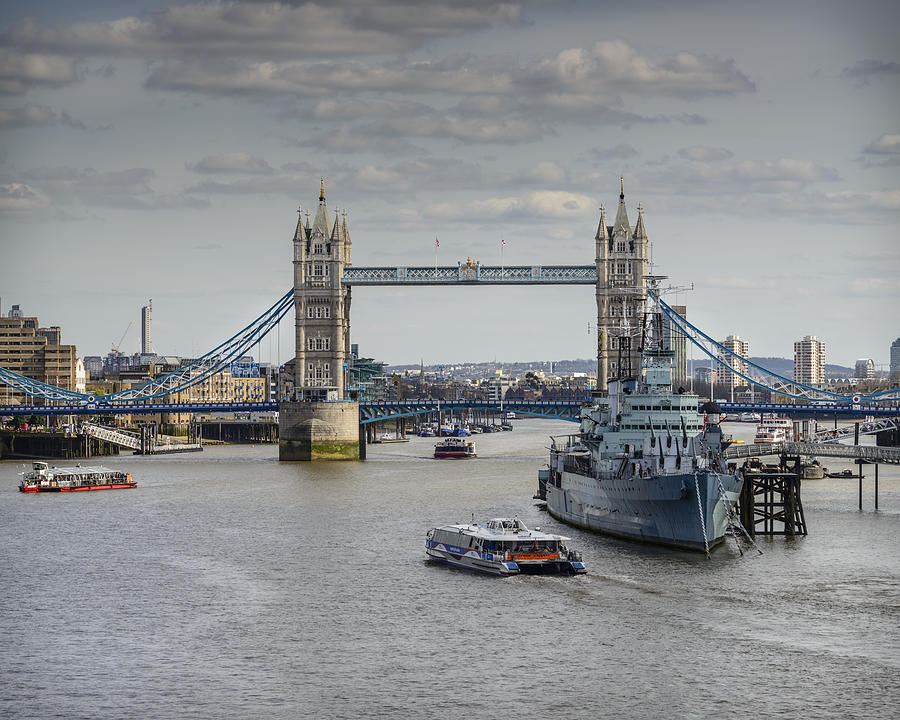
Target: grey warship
(646, 464)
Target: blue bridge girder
(370, 412)
(472, 273)
(136, 408)
(377, 411)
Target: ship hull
(56, 488)
(662, 510)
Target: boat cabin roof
(502, 529)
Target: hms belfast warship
(646, 465)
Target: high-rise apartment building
(895, 359)
(809, 361)
(865, 369)
(146, 338)
(725, 375)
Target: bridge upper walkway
(869, 453)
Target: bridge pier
(319, 431)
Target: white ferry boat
(43, 478)
(503, 546)
(773, 429)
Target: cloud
(547, 205)
(886, 151)
(543, 174)
(615, 67)
(701, 153)
(127, 189)
(20, 72)
(866, 69)
(267, 29)
(21, 198)
(622, 151)
(29, 115)
(233, 162)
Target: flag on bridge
(437, 243)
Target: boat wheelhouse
(454, 447)
(43, 478)
(504, 547)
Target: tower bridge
(323, 418)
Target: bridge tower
(622, 264)
(320, 422)
(322, 304)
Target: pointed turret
(345, 236)
(336, 230)
(621, 214)
(300, 232)
(320, 224)
(639, 232)
(602, 230)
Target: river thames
(229, 585)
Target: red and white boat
(43, 478)
(454, 447)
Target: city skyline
(154, 149)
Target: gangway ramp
(117, 437)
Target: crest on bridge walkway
(469, 271)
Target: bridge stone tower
(622, 263)
(320, 422)
(322, 305)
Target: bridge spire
(640, 233)
(621, 222)
(322, 191)
(602, 229)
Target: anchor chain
(733, 520)
(702, 519)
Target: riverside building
(36, 352)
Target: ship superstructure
(646, 464)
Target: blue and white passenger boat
(503, 546)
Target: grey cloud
(27, 115)
(127, 189)
(232, 162)
(865, 69)
(267, 29)
(622, 151)
(349, 141)
(21, 198)
(612, 67)
(271, 185)
(888, 144)
(702, 153)
(20, 72)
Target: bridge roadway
(868, 453)
(375, 411)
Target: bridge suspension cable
(789, 387)
(191, 374)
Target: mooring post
(856, 434)
(876, 486)
(860, 483)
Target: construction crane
(115, 348)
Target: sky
(160, 150)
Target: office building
(895, 359)
(146, 338)
(865, 369)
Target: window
(620, 246)
(317, 248)
(621, 268)
(310, 311)
(326, 311)
(317, 270)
